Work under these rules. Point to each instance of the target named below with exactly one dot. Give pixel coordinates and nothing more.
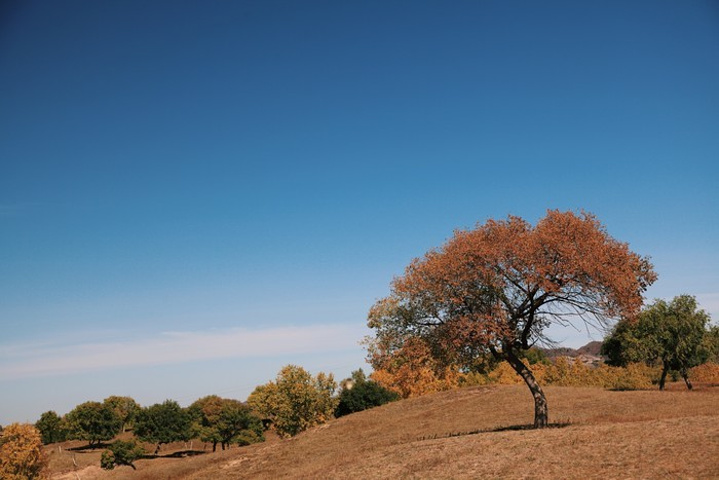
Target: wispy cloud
(173, 347)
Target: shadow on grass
(181, 454)
(94, 446)
(510, 428)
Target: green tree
(359, 393)
(709, 349)
(94, 422)
(21, 454)
(121, 452)
(224, 421)
(52, 428)
(670, 333)
(296, 400)
(494, 290)
(126, 408)
(163, 423)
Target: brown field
(469, 433)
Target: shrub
(708, 372)
(412, 371)
(359, 394)
(564, 372)
(121, 453)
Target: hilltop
(474, 433)
(590, 349)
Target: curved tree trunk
(541, 412)
(685, 376)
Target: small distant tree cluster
(296, 400)
(121, 452)
(93, 421)
(225, 421)
(21, 455)
(360, 393)
(163, 423)
(670, 334)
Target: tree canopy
(21, 454)
(163, 423)
(296, 400)
(126, 408)
(359, 393)
(52, 428)
(494, 289)
(670, 333)
(94, 422)
(225, 421)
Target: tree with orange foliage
(21, 455)
(494, 289)
(413, 371)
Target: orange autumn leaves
(494, 289)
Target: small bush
(121, 453)
(574, 373)
(361, 394)
(708, 372)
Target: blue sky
(193, 194)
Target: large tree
(225, 421)
(165, 422)
(494, 289)
(94, 422)
(668, 333)
(124, 407)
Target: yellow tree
(296, 400)
(494, 289)
(21, 455)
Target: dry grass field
(470, 433)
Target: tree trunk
(541, 413)
(662, 380)
(685, 376)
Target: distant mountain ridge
(590, 351)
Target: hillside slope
(642, 434)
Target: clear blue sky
(193, 194)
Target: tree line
(290, 404)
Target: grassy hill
(473, 433)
